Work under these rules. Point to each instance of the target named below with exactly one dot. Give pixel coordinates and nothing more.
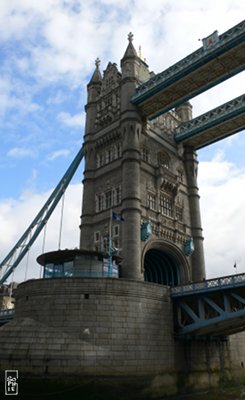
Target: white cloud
(58, 153)
(73, 121)
(21, 152)
(15, 94)
(223, 215)
(62, 39)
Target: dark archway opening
(160, 267)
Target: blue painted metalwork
(6, 316)
(146, 231)
(224, 282)
(228, 40)
(213, 118)
(12, 260)
(103, 271)
(215, 307)
(189, 247)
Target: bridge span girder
(215, 125)
(211, 308)
(194, 74)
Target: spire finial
(140, 54)
(97, 62)
(130, 37)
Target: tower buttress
(131, 201)
(198, 262)
(93, 90)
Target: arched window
(145, 154)
(98, 161)
(166, 205)
(163, 160)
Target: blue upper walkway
(218, 59)
(214, 125)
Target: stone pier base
(111, 330)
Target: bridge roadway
(214, 125)
(214, 307)
(218, 59)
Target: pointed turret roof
(130, 51)
(96, 77)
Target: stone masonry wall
(115, 328)
(91, 326)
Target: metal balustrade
(210, 119)
(224, 282)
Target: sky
(47, 54)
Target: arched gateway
(163, 263)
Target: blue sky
(47, 53)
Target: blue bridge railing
(6, 316)
(224, 282)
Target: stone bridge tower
(135, 168)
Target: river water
(234, 393)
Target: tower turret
(184, 111)
(93, 90)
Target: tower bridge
(105, 314)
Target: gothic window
(101, 155)
(117, 195)
(110, 154)
(99, 202)
(180, 175)
(145, 154)
(98, 161)
(107, 156)
(108, 199)
(118, 150)
(116, 230)
(166, 205)
(163, 160)
(179, 213)
(105, 243)
(96, 236)
(108, 101)
(97, 241)
(152, 201)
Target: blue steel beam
(214, 125)
(217, 124)
(222, 325)
(212, 308)
(199, 71)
